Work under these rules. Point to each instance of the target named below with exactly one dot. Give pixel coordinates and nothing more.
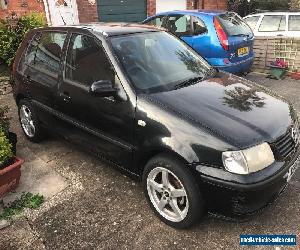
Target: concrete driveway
(99, 208)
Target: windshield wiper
(210, 73)
(247, 35)
(188, 82)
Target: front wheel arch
(148, 155)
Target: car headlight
(248, 160)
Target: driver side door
(201, 39)
(101, 124)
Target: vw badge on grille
(295, 133)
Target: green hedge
(12, 35)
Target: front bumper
(236, 195)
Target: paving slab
(37, 177)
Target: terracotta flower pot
(295, 75)
(10, 176)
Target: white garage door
(166, 5)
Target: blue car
(222, 38)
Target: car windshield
(157, 61)
(234, 25)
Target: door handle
(66, 97)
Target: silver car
(275, 24)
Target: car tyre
(29, 121)
(172, 192)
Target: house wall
(22, 7)
(87, 9)
(214, 4)
(151, 7)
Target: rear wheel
(29, 122)
(172, 192)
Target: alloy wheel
(27, 122)
(167, 194)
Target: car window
(179, 25)
(272, 23)
(157, 21)
(233, 24)
(252, 21)
(28, 56)
(294, 23)
(157, 61)
(199, 26)
(48, 52)
(86, 61)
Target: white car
(275, 24)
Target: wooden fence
(268, 49)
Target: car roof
(193, 12)
(109, 29)
(275, 13)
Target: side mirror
(198, 30)
(103, 88)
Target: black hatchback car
(197, 138)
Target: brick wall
(215, 4)
(208, 4)
(151, 7)
(22, 7)
(191, 4)
(87, 11)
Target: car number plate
(292, 170)
(243, 51)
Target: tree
(243, 99)
(294, 4)
(245, 7)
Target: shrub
(11, 36)
(4, 119)
(294, 5)
(245, 7)
(5, 148)
(6, 151)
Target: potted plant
(4, 125)
(295, 75)
(9, 164)
(278, 69)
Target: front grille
(284, 146)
